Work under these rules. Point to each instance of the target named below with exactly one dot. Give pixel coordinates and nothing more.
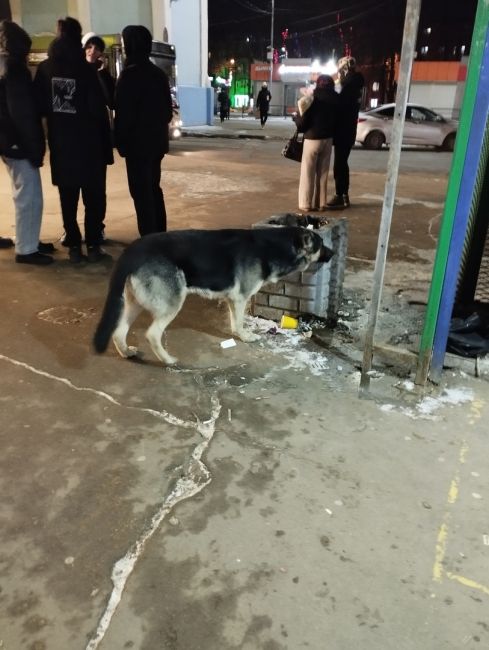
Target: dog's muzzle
(325, 254)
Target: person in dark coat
(263, 103)
(70, 96)
(143, 111)
(22, 144)
(352, 83)
(318, 123)
(224, 104)
(94, 52)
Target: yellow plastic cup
(289, 322)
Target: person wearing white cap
(352, 83)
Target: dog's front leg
(237, 312)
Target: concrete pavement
(246, 499)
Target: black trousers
(95, 202)
(263, 116)
(340, 167)
(143, 177)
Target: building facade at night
(182, 23)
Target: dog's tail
(114, 304)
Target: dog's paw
(131, 351)
(249, 337)
(170, 361)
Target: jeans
(143, 176)
(27, 195)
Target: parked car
(422, 126)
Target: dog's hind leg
(237, 309)
(131, 311)
(154, 334)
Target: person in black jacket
(143, 111)
(22, 144)
(318, 123)
(70, 96)
(263, 100)
(352, 83)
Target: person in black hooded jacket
(22, 144)
(71, 97)
(318, 123)
(143, 111)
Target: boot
(34, 258)
(76, 256)
(338, 202)
(97, 254)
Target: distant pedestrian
(224, 104)
(263, 103)
(71, 97)
(22, 144)
(352, 83)
(317, 119)
(143, 111)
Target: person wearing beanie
(143, 111)
(317, 120)
(351, 86)
(22, 144)
(71, 98)
(263, 100)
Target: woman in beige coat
(317, 120)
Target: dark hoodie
(320, 119)
(143, 105)
(21, 134)
(70, 96)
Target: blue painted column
(462, 213)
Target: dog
(155, 273)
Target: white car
(422, 127)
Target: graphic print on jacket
(63, 95)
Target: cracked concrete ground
(246, 499)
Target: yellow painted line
(467, 582)
(441, 545)
(453, 491)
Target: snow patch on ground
(427, 407)
(290, 344)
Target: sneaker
(346, 200)
(76, 256)
(34, 258)
(97, 254)
(46, 247)
(6, 242)
(337, 203)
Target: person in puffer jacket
(22, 144)
(317, 121)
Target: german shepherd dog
(155, 273)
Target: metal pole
(271, 48)
(406, 64)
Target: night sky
(370, 30)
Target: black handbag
(293, 148)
